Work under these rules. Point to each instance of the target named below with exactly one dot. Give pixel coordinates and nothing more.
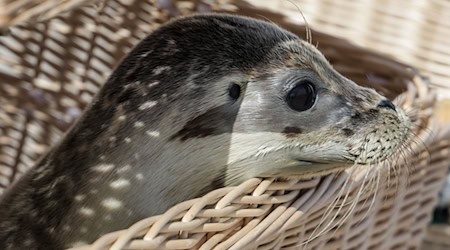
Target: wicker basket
(52, 65)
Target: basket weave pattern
(17, 11)
(51, 69)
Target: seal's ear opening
(236, 91)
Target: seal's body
(203, 102)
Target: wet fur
(163, 130)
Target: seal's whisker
(377, 185)
(267, 19)
(344, 190)
(411, 147)
(400, 162)
(391, 170)
(268, 150)
(396, 167)
(417, 143)
(349, 210)
(388, 166)
(325, 215)
(357, 198)
(405, 164)
(409, 150)
(375, 179)
(365, 183)
(370, 182)
(347, 191)
(308, 31)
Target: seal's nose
(386, 104)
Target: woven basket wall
(53, 62)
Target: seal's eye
(234, 91)
(302, 96)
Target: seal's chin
(302, 169)
(306, 161)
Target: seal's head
(204, 101)
(232, 98)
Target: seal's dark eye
(234, 91)
(302, 96)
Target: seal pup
(202, 102)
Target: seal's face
(300, 111)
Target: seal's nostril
(386, 104)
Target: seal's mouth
(320, 162)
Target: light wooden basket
(52, 65)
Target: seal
(203, 102)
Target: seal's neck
(170, 172)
